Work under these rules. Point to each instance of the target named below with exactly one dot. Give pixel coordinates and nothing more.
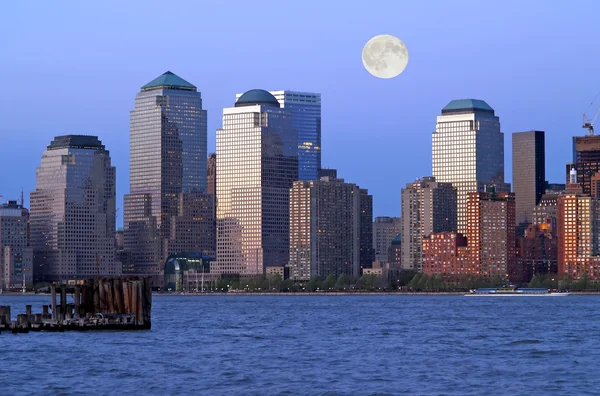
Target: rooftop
(257, 97)
(170, 81)
(467, 106)
(76, 141)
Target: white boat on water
(515, 292)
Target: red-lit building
(577, 226)
(441, 255)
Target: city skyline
(366, 121)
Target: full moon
(385, 56)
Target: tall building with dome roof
(257, 162)
(468, 151)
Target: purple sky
(75, 68)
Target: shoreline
(246, 294)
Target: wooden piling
(134, 298)
(118, 296)
(63, 301)
(53, 293)
(77, 298)
(126, 296)
(44, 310)
(140, 302)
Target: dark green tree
(342, 282)
(329, 282)
(414, 283)
(314, 283)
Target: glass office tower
(167, 158)
(468, 150)
(257, 163)
(72, 211)
(305, 108)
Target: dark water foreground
(319, 345)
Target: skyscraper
(257, 162)
(468, 150)
(305, 108)
(211, 174)
(367, 253)
(529, 174)
(73, 211)
(168, 157)
(16, 256)
(428, 207)
(325, 228)
(385, 230)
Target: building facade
(468, 151)
(537, 252)
(491, 233)
(193, 229)
(443, 256)
(586, 161)
(367, 253)
(385, 230)
(167, 158)
(72, 219)
(578, 232)
(546, 211)
(305, 108)
(325, 228)
(257, 162)
(16, 256)
(529, 174)
(428, 207)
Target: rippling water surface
(319, 345)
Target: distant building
(537, 252)
(578, 232)
(491, 233)
(546, 211)
(325, 228)
(385, 230)
(395, 252)
(586, 161)
(554, 188)
(428, 207)
(443, 256)
(193, 229)
(73, 211)
(326, 172)
(16, 256)
(119, 239)
(257, 162)
(367, 253)
(305, 109)
(167, 157)
(468, 151)
(529, 174)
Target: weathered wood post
(118, 296)
(139, 314)
(53, 293)
(126, 296)
(63, 301)
(77, 298)
(134, 299)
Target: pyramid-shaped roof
(170, 81)
(462, 105)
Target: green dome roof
(467, 105)
(257, 97)
(169, 80)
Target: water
(319, 345)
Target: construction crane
(588, 122)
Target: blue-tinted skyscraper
(167, 159)
(305, 108)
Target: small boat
(515, 291)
